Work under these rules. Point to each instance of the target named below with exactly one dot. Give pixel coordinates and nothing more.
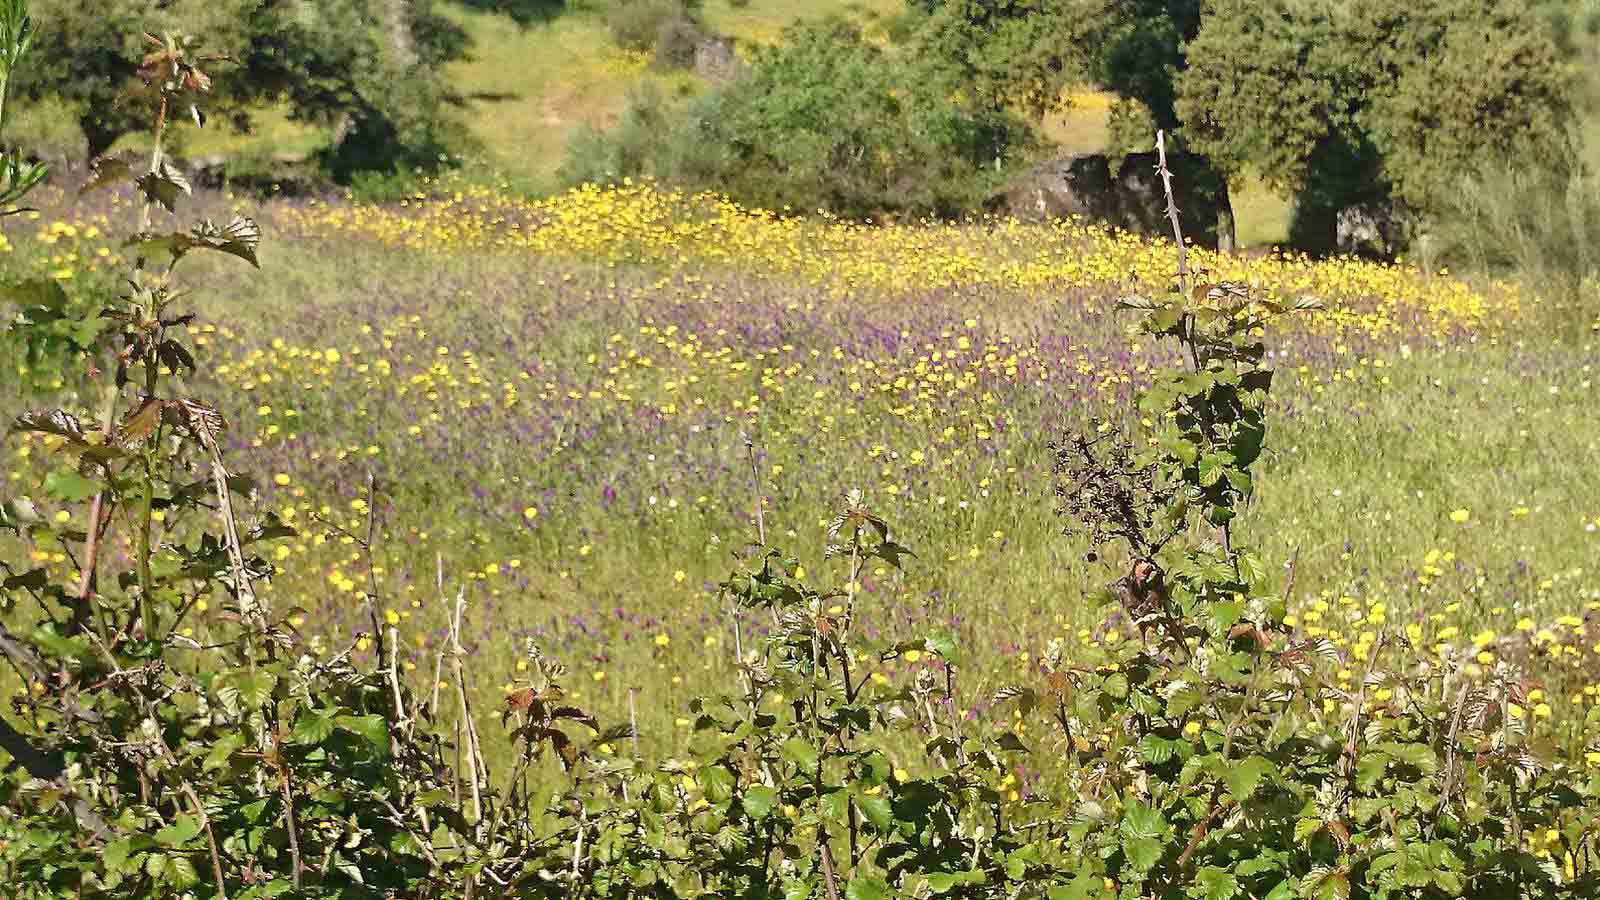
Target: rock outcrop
(1128, 196)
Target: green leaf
(1244, 776)
(373, 729)
(183, 830)
(46, 638)
(1325, 884)
(107, 171)
(1420, 756)
(759, 800)
(311, 728)
(1252, 568)
(1255, 866)
(68, 486)
(1218, 884)
(115, 855)
(221, 751)
(1144, 832)
(1082, 886)
(1117, 685)
(181, 873)
(800, 752)
(1140, 820)
(945, 882)
(719, 782)
(1305, 828)
(165, 185)
(941, 642)
(249, 689)
(876, 809)
(155, 865)
(1224, 615)
(1143, 853)
(1370, 769)
(866, 889)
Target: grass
(562, 428)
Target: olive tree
(1343, 102)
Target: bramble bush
(172, 736)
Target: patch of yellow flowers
(645, 223)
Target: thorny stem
(1187, 333)
(97, 514)
(211, 842)
(844, 662)
(755, 481)
(296, 866)
(475, 768)
(1172, 208)
(372, 571)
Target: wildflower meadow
(548, 403)
(631, 542)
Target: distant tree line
(1338, 103)
(1335, 102)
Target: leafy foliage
(141, 760)
(367, 65)
(825, 120)
(1351, 103)
(1235, 764)
(640, 24)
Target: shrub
(637, 24)
(362, 61)
(677, 40)
(1346, 104)
(1542, 225)
(824, 121)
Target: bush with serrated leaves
(1219, 754)
(172, 736)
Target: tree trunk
(1227, 239)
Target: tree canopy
(364, 65)
(1339, 101)
(1354, 101)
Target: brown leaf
(1340, 832)
(51, 421)
(141, 423)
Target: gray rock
(1372, 230)
(1129, 196)
(716, 61)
